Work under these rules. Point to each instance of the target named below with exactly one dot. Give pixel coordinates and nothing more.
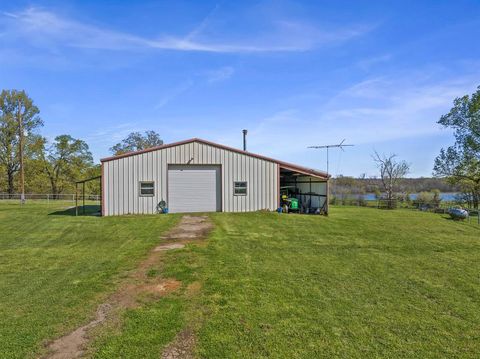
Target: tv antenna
(340, 145)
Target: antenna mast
(340, 145)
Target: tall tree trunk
(476, 195)
(11, 182)
(53, 186)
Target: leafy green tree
(424, 198)
(135, 141)
(66, 160)
(460, 163)
(93, 187)
(16, 109)
(36, 179)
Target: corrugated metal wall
(122, 177)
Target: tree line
(362, 185)
(50, 166)
(458, 165)
(54, 166)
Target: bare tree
(391, 172)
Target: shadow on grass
(90, 210)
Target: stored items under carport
(289, 204)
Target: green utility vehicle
(289, 204)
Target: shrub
(361, 201)
(408, 198)
(436, 198)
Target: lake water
(444, 196)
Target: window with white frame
(147, 188)
(240, 188)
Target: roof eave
(286, 165)
(156, 148)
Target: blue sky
(378, 73)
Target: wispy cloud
(114, 133)
(174, 93)
(43, 28)
(368, 63)
(221, 74)
(203, 25)
(372, 111)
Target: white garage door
(194, 188)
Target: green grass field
(362, 283)
(55, 268)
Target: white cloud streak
(368, 63)
(372, 111)
(44, 28)
(219, 75)
(174, 93)
(113, 133)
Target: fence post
(76, 199)
(83, 192)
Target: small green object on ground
(293, 203)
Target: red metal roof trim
(133, 153)
(286, 165)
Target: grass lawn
(56, 268)
(361, 283)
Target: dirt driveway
(188, 230)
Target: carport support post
(76, 199)
(83, 193)
(328, 197)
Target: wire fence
(439, 206)
(68, 197)
(427, 206)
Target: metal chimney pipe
(244, 140)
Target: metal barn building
(201, 176)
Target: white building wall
(121, 178)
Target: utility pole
(20, 153)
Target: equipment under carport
(289, 204)
(294, 200)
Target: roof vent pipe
(244, 140)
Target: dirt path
(189, 229)
(181, 347)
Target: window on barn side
(240, 188)
(147, 189)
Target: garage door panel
(194, 188)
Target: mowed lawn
(56, 268)
(362, 283)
